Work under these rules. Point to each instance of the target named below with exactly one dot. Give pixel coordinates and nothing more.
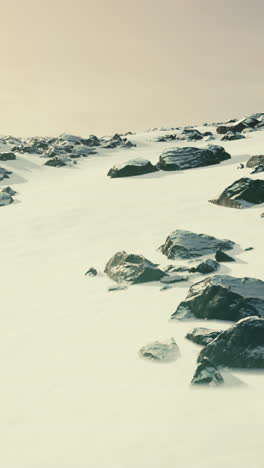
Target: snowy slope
(74, 393)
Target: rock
(221, 256)
(249, 248)
(242, 193)
(7, 156)
(5, 199)
(208, 266)
(91, 141)
(56, 162)
(202, 336)
(117, 288)
(223, 298)
(258, 169)
(118, 141)
(176, 269)
(91, 272)
(255, 161)
(173, 279)
(238, 126)
(230, 136)
(158, 351)
(207, 374)
(35, 145)
(9, 190)
(241, 346)
(4, 174)
(131, 268)
(186, 244)
(241, 166)
(169, 137)
(134, 167)
(81, 150)
(176, 159)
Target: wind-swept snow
(74, 392)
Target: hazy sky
(98, 67)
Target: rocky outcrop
(239, 126)
(255, 160)
(177, 159)
(258, 169)
(231, 136)
(187, 244)
(221, 256)
(241, 346)
(202, 336)
(223, 298)
(135, 167)
(7, 156)
(207, 374)
(131, 268)
(163, 352)
(242, 193)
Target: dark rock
(239, 126)
(117, 288)
(230, 136)
(241, 193)
(9, 190)
(7, 156)
(5, 199)
(258, 169)
(177, 269)
(91, 272)
(4, 174)
(131, 268)
(202, 336)
(186, 244)
(169, 137)
(241, 346)
(221, 256)
(207, 374)
(223, 298)
(241, 166)
(158, 351)
(56, 162)
(208, 266)
(249, 248)
(135, 167)
(173, 279)
(176, 159)
(255, 160)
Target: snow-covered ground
(74, 393)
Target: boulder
(208, 266)
(176, 159)
(135, 167)
(9, 190)
(5, 199)
(258, 169)
(131, 268)
(230, 136)
(7, 156)
(187, 244)
(4, 174)
(91, 272)
(170, 279)
(255, 160)
(202, 336)
(223, 298)
(241, 346)
(239, 126)
(207, 374)
(157, 351)
(59, 161)
(221, 256)
(242, 193)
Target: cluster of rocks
(61, 151)
(173, 159)
(254, 122)
(231, 136)
(187, 134)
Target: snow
(74, 392)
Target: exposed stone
(223, 298)
(176, 159)
(7, 156)
(207, 374)
(255, 160)
(158, 351)
(242, 193)
(202, 336)
(4, 174)
(91, 272)
(186, 244)
(208, 266)
(5, 199)
(258, 169)
(221, 256)
(131, 268)
(9, 190)
(135, 167)
(230, 136)
(241, 346)
(173, 279)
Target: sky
(100, 67)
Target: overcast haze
(97, 67)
